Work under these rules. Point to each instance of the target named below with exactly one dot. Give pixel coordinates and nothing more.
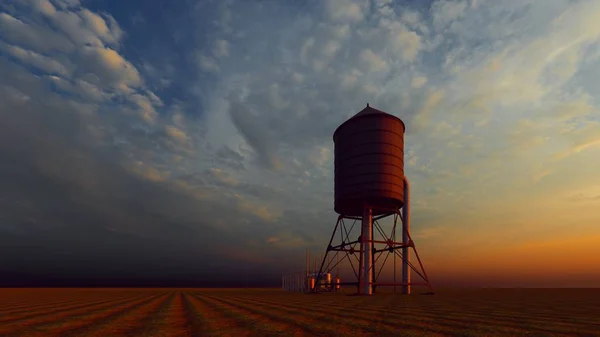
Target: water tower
(369, 186)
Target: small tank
(369, 163)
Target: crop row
(176, 312)
(392, 314)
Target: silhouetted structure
(370, 185)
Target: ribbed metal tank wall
(369, 162)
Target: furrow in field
(170, 321)
(347, 317)
(385, 304)
(514, 318)
(53, 318)
(8, 317)
(22, 313)
(508, 319)
(30, 295)
(210, 322)
(309, 323)
(256, 323)
(23, 299)
(457, 319)
(360, 308)
(27, 305)
(445, 317)
(523, 320)
(319, 324)
(499, 309)
(363, 303)
(206, 321)
(305, 299)
(30, 298)
(177, 320)
(118, 322)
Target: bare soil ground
(272, 312)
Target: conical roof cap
(368, 111)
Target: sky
(190, 142)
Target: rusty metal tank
(369, 163)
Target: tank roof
(368, 111)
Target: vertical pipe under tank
(405, 239)
(373, 278)
(367, 250)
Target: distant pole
(306, 263)
(367, 251)
(321, 258)
(373, 276)
(306, 271)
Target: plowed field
(272, 312)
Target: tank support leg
(318, 279)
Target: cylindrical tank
(369, 163)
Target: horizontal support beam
(379, 217)
(351, 217)
(348, 250)
(358, 250)
(401, 284)
(388, 249)
(390, 211)
(345, 244)
(389, 242)
(344, 284)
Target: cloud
(346, 10)
(176, 134)
(76, 48)
(373, 62)
(221, 48)
(445, 12)
(230, 158)
(36, 60)
(39, 40)
(209, 125)
(256, 135)
(79, 88)
(402, 40)
(207, 63)
(418, 82)
(109, 68)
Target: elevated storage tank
(369, 163)
(370, 185)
